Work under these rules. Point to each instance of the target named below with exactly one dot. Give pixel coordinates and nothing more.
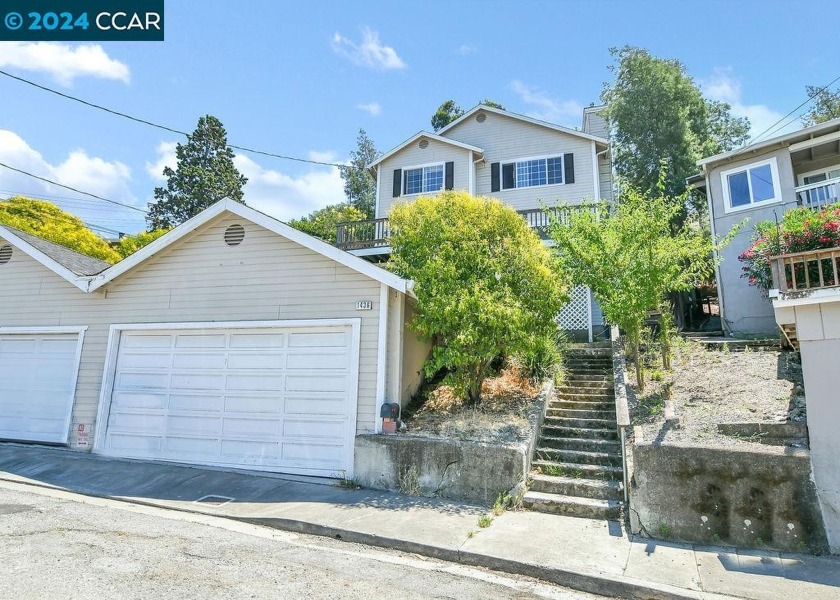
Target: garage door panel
(192, 340)
(199, 361)
(258, 340)
(196, 402)
(318, 340)
(277, 399)
(312, 405)
(37, 378)
(198, 381)
(310, 383)
(274, 360)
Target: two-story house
(525, 162)
(761, 182)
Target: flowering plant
(801, 229)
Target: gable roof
(64, 262)
(237, 208)
(431, 136)
(783, 140)
(526, 119)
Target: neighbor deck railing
(374, 233)
(818, 195)
(813, 269)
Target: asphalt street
(55, 544)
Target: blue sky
(300, 79)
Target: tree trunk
(634, 339)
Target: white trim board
(424, 134)
(80, 281)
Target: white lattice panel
(576, 314)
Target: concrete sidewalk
(588, 555)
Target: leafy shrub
(802, 229)
(540, 359)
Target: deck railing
(810, 270)
(374, 233)
(818, 195)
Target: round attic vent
(234, 235)
(424, 144)
(5, 254)
(481, 117)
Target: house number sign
(364, 305)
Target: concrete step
(606, 404)
(576, 486)
(578, 456)
(591, 372)
(586, 471)
(590, 508)
(586, 394)
(587, 384)
(594, 378)
(579, 432)
(560, 421)
(580, 444)
(605, 363)
(574, 413)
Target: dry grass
(502, 415)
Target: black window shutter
(508, 177)
(569, 168)
(494, 177)
(397, 182)
(449, 178)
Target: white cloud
(546, 107)
(465, 49)
(724, 87)
(288, 197)
(64, 63)
(166, 158)
(373, 108)
(109, 179)
(369, 53)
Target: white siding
(414, 155)
(267, 277)
(505, 139)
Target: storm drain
(214, 500)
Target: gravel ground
(504, 414)
(708, 387)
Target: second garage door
(280, 399)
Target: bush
(801, 229)
(540, 359)
(485, 283)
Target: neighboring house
(525, 162)
(233, 340)
(760, 182)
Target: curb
(611, 586)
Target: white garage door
(37, 384)
(280, 399)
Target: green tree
(130, 244)
(631, 257)
(826, 106)
(205, 174)
(485, 284)
(48, 221)
(493, 104)
(447, 112)
(321, 223)
(657, 112)
(359, 184)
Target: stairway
(577, 463)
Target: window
(423, 180)
(753, 184)
(532, 172)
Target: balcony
(818, 195)
(371, 236)
(806, 271)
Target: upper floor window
(752, 184)
(532, 172)
(423, 180)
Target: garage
(280, 396)
(38, 370)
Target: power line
(72, 189)
(164, 127)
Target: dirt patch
(708, 387)
(503, 415)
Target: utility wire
(72, 189)
(164, 127)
